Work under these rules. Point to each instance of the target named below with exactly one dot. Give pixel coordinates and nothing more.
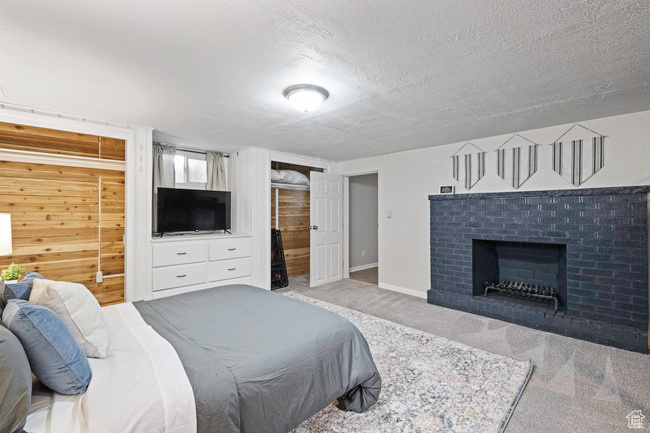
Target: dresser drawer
(226, 269)
(222, 249)
(179, 276)
(177, 253)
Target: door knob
(314, 227)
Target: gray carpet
(576, 386)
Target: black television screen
(183, 210)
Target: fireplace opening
(525, 272)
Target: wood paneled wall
(35, 139)
(67, 222)
(294, 225)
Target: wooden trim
(14, 155)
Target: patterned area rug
(430, 384)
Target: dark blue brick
(605, 232)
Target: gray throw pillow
(15, 383)
(55, 357)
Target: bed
(229, 359)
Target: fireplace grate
(525, 290)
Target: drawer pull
(180, 254)
(181, 276)
(232, 249)
(231, 269)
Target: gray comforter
(262, 362)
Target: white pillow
(80, 311)
(38, 289)
(294, 177)
(276, 176)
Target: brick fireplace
(590, 246)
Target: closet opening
(290, 224)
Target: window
(190, 170)
(197, 171)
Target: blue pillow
(23, 289)
(54, 355)
(33, 275)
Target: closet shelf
(289, 186)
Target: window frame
(186, 184)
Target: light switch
(388, 214)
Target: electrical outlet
(363, 253)
(99, 277)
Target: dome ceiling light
(305, 97)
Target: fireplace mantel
(582, 192)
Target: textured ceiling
(401, 75)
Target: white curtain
(163, 174)
(216, 171)
(163, 166)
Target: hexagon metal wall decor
(578, 154)
(517, 160)
(468, 165)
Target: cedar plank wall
(294, 222)
(57, 228)
(294, 225)
(34, 139)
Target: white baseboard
(416, 293)
(362, 267)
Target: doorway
(290, 222)
(363, 241)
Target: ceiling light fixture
(305, 97)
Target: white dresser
(195, 262)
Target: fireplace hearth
(572, 262)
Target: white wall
(250, 179)
(407, 178)
(363, 220)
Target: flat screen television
(185, 210)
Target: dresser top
(199, 237)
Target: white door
(326, 240)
